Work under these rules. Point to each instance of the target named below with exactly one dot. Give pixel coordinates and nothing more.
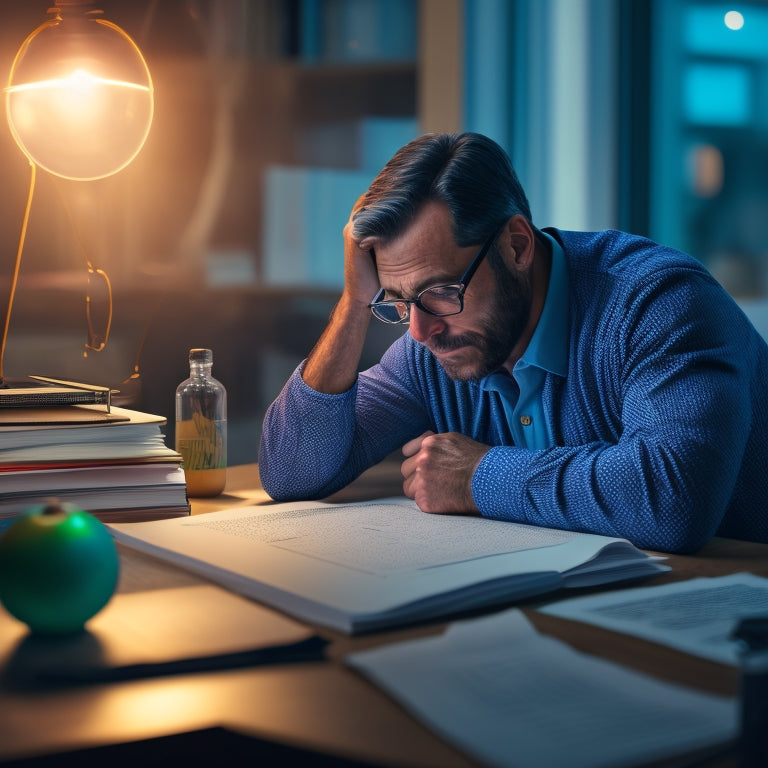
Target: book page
(695, 616)
(507, 695)
(388, 538)
(358, 567)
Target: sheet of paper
(695, 616)
(508, 696)
(389, 538)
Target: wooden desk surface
(321, 706)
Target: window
(709, 137)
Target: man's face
(497, 302)
(499, 320)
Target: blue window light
(717, 94)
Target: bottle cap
(199, 355)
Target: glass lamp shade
(80, 98)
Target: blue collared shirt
(547, 352)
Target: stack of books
(112, 462)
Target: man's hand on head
(361, 281)
(333, 364)
(438, 472)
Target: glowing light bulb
(80, 98)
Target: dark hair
(468, 172)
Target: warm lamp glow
(79, 99)
(79, 103)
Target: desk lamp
(79, 103)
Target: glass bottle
(201, 426)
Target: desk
(320, 706)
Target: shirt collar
(548, 347)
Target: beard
(502, 324)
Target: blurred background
(273, 116)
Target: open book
(367, 566)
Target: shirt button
(526, 420)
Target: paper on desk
(163, 631)
(360, 567)
(511, 697)
(695, 616)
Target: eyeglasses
(98, 295)
(98, 309)
(438, 301)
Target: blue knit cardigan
(660, 426)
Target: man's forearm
(332, 366)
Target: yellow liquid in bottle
(202, 446)
(205, 482)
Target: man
(586, 381)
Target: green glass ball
(58, 568)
